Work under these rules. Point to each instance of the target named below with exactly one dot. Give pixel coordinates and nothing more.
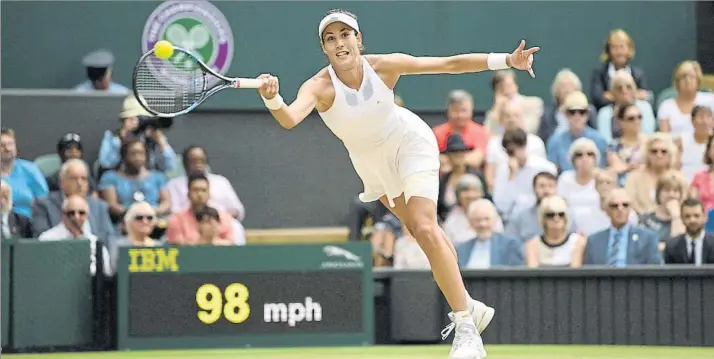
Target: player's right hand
(270, 87)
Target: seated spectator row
(77, 202)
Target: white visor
(337, 17)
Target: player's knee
(426, 234)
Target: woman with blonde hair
(577, 186)
(675, 114)
(661, 156)
(554, 119)
(624, 92)
(617, 55)
(556, 247)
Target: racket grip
(248, 83)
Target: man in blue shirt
(24, 177)
(576, 109)
(622, 244)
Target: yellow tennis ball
(163, 49)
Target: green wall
(43, 41)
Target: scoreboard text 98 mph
(167, 302)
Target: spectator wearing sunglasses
(627, 152)
(70, 147)
(605, 182)
(661, 156)
(557, 246)
(622, 244)
(73, 181)
(577, 186)
(139, 221)
(554, 119)
(75, 213)
(576, 109)
(624, 90)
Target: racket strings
(166, 88)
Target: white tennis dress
(386, 143)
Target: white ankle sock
(462, 315)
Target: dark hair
(517, 137)
(350, 14)
(124, 150)
(206, 212)
(692, 202)
(195, 176)
(544, 174)
(707, 159)
(499, 76)
(622, 110)
(184, 156)
(697, 109)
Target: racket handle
(248, 83)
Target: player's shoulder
(319, 81)
(385, 61)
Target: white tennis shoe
(481, 313)
(467, 342)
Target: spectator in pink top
(702, 183)
(222, 197)
(183, 227)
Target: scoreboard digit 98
(206, 297)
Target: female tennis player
(393, 151)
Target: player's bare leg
(481, 313)
(422, 223)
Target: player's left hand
(522, 59)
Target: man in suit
(74, 180)
(695, 246)
(12, 224)
(622, 244)
(487, 249)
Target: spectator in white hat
(161, 156)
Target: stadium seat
(296, 235)
(49, 164)
(666, 94)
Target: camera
(161, 123)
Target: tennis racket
(177, 85)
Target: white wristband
(274, 103)
(497, 61)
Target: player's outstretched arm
(404, 64)
(291, 115)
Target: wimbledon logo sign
(197, 26)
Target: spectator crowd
(614, 177)
(138, 193)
